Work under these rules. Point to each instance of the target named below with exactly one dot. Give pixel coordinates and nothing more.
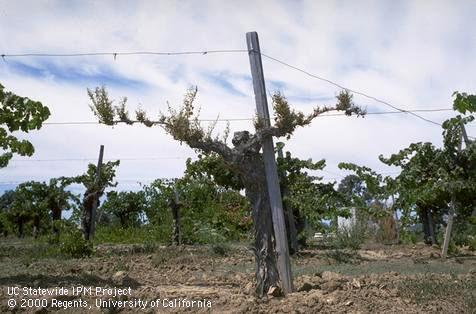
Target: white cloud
(413, 54)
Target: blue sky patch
(74, 75)
(221, 81)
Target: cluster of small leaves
(73, 245)
(92, 182)
(464, 103)
(183, 124)
(101, 105)
(108, 113)
(346, 104)
(18, 114)
(286, 120)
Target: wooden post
(465, 136)
(279, 226)
(92, 229)
(291, 225)
(397, 223)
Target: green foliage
(209, 213)
(125, 206)
(212, 166)
(38, 203)
(341, 256)
(101, 105)
(306, 195)
(287, 119)
(18, 114)
(350, 238)
(408, 236)
(73, 245)
(472, 243)
(90, 181)
(148, 234)
(464, 103)
(95, 186)
(369, 192)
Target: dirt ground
(378, 279)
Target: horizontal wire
(204, 52)
(116, 54)
(348, 89)
(94, 159)
(250, 119)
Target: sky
(412, 54)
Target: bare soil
(377, 279)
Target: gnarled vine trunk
(56, 215)
(90, 198)
(254, 181)
(426, 218)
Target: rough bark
(245, 159)
(426, 225)
(21, 229)
(56, 215)
(87, 212)
(267, 274)
(431, 227)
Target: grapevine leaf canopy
(18, 114)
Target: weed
(341, 257)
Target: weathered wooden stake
(92, 229)
(279, 226)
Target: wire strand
(95, 159)
(251, 119)
(349, 89)
(116, 54)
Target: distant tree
(418, 186)
(244, 158)
(39, 203)
(432, 177)
(18, 114)
(5, 202)
(373, 196)
(127, 207)
(59, 200)
(29, 206)
(208, 212)
(353, 189)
